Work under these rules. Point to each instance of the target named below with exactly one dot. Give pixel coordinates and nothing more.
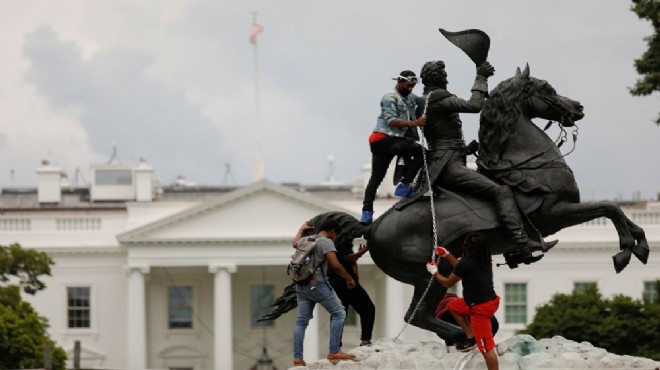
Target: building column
(223, 354)
(136, 338)
(311, 342)
(394, 310)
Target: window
(581, 286)
(515, 303)
(261, 297)
(78, 307)
(650, 293)
(113, 177)
(180, 307)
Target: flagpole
(258, 165)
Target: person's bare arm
(355, 256)
(405, 123)
(300, 233)
(451, 259)
(334, 263)
(447, 282)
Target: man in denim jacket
(394, 135)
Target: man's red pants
(480, 315)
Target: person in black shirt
(480, 302)
(358, 296)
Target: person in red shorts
(442, 312)
(479, 302)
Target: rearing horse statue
(513, 151)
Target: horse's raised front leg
(565, 214)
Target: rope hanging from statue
(433, 219)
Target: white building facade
(175, 278)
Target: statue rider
(447, 149)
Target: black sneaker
(365, 343)
(467, 345)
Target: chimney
(48, 179)
(143, 182)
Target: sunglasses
(410, 79)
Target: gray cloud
(175, 82)
(119, 101)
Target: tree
(621, 324)
(648, 66)
(25, 264)
(23, 332)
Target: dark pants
(382, 153)
(457, 177)
(362, 304)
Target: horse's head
(521, 96)
(539, 99)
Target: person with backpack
(318, 290)
(480, 302)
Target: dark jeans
(457, 177)
(362, 304)
(382, 153)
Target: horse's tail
(351, 228)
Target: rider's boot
(534, 245)
(546, 246)
(510, 217)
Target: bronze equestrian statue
(513, 152)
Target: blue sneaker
(367, 217)
(403, 190)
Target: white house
(175, 277)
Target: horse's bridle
(566, 114)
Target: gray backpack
(303, 261)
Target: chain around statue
(435, 228)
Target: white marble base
(521, 352)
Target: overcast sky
(174, 82)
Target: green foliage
(648, 66)
(23, 334)
(621, 325)
(22, 331)
(26, 264)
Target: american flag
(256, 29)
